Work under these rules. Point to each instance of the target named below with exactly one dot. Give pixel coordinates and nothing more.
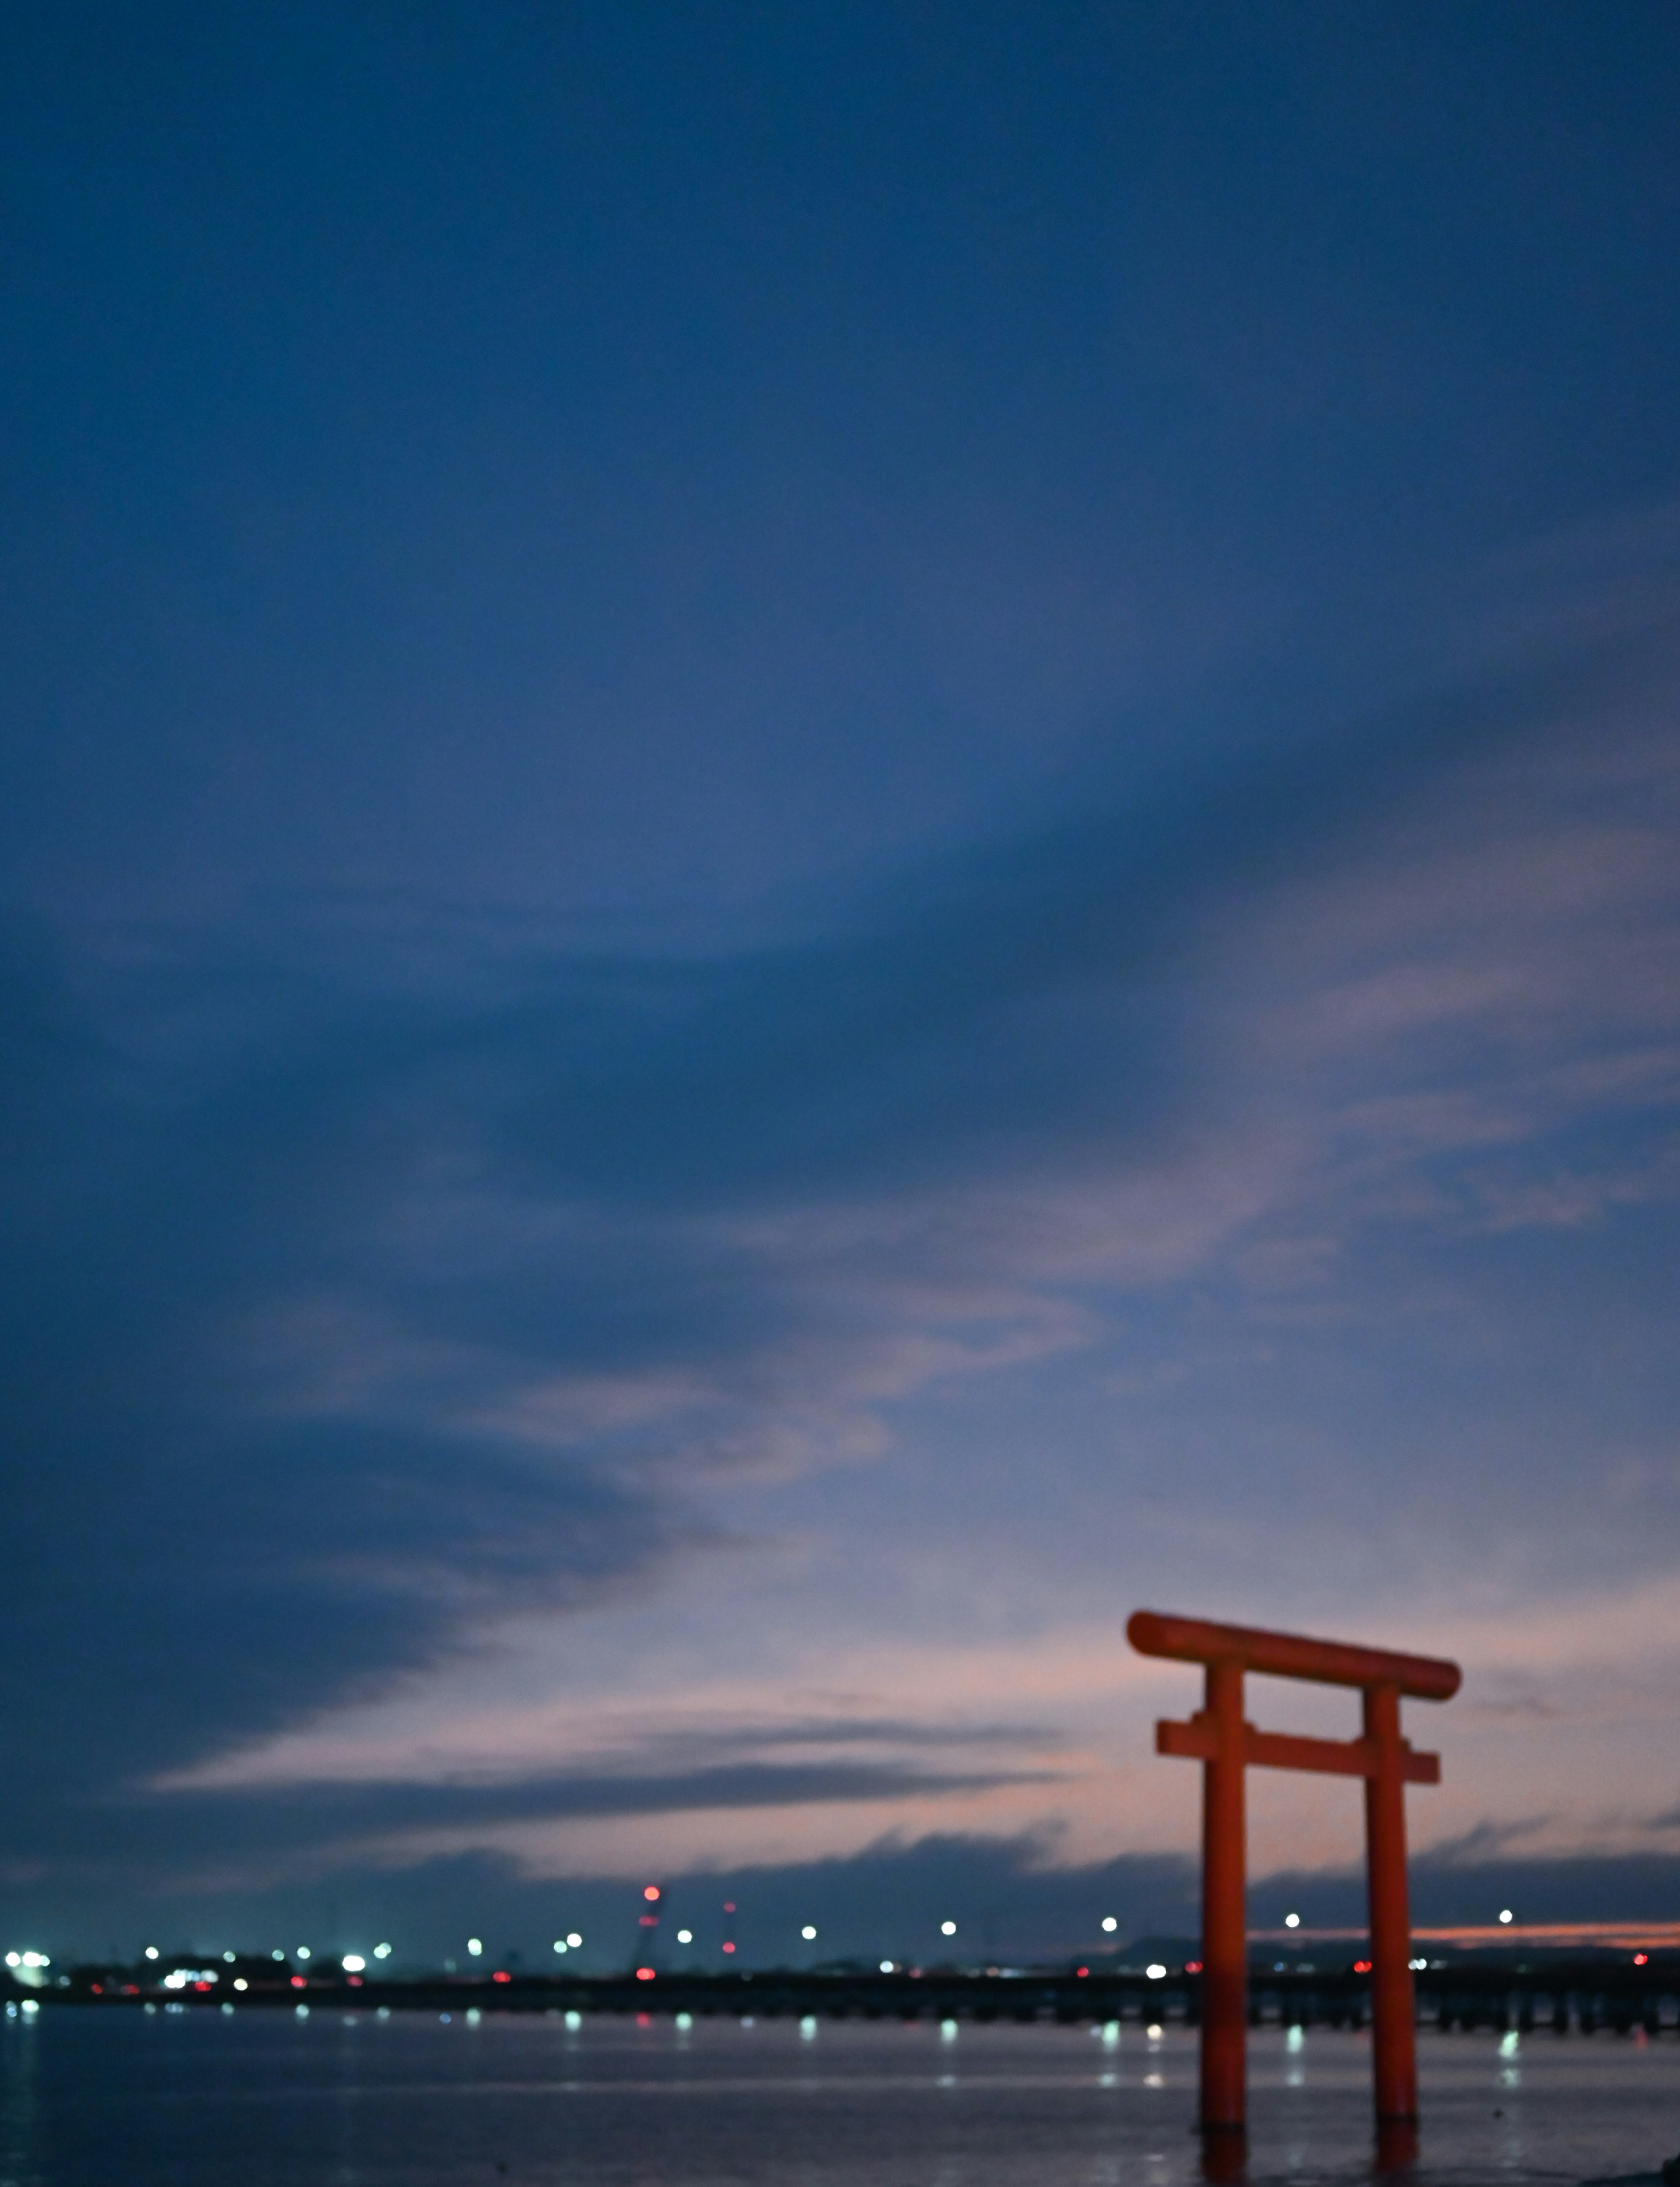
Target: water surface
(190, 2097)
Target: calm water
(353, 2101)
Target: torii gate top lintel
(1291, 1655)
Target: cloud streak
(358, 1313)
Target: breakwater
(1577, 1996)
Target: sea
(333, 2099)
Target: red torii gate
(1219, 1738)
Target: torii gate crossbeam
(1226, 1745)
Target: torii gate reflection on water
(1219, 1738)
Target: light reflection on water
(357, 2101)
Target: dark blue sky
(827, 835)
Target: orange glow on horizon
(1631, 1935)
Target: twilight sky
(828, 835)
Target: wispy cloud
(355, 1324)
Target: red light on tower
(651, 1892)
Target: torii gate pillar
(1226, 1745)
(1224, 1905)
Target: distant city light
(303, 1951)
(239, 1983)
(685, 1936)
(382, 1951)
(37, 1959)
(559, 1943)
(1417, 1966)
(152, 1955)
(12, 1960)
(228, 1958)
(728, 1947)
(573, 1938)
(1109, 1925)
(645, 1974)
(651, 1892)
(947, 1928)
(353, 1963)
(886, 1966)
(1506, 1915)
(1154, 1970)
(475, 1945)
(808, 1933)
(152, 1952)
(1292, 1920)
